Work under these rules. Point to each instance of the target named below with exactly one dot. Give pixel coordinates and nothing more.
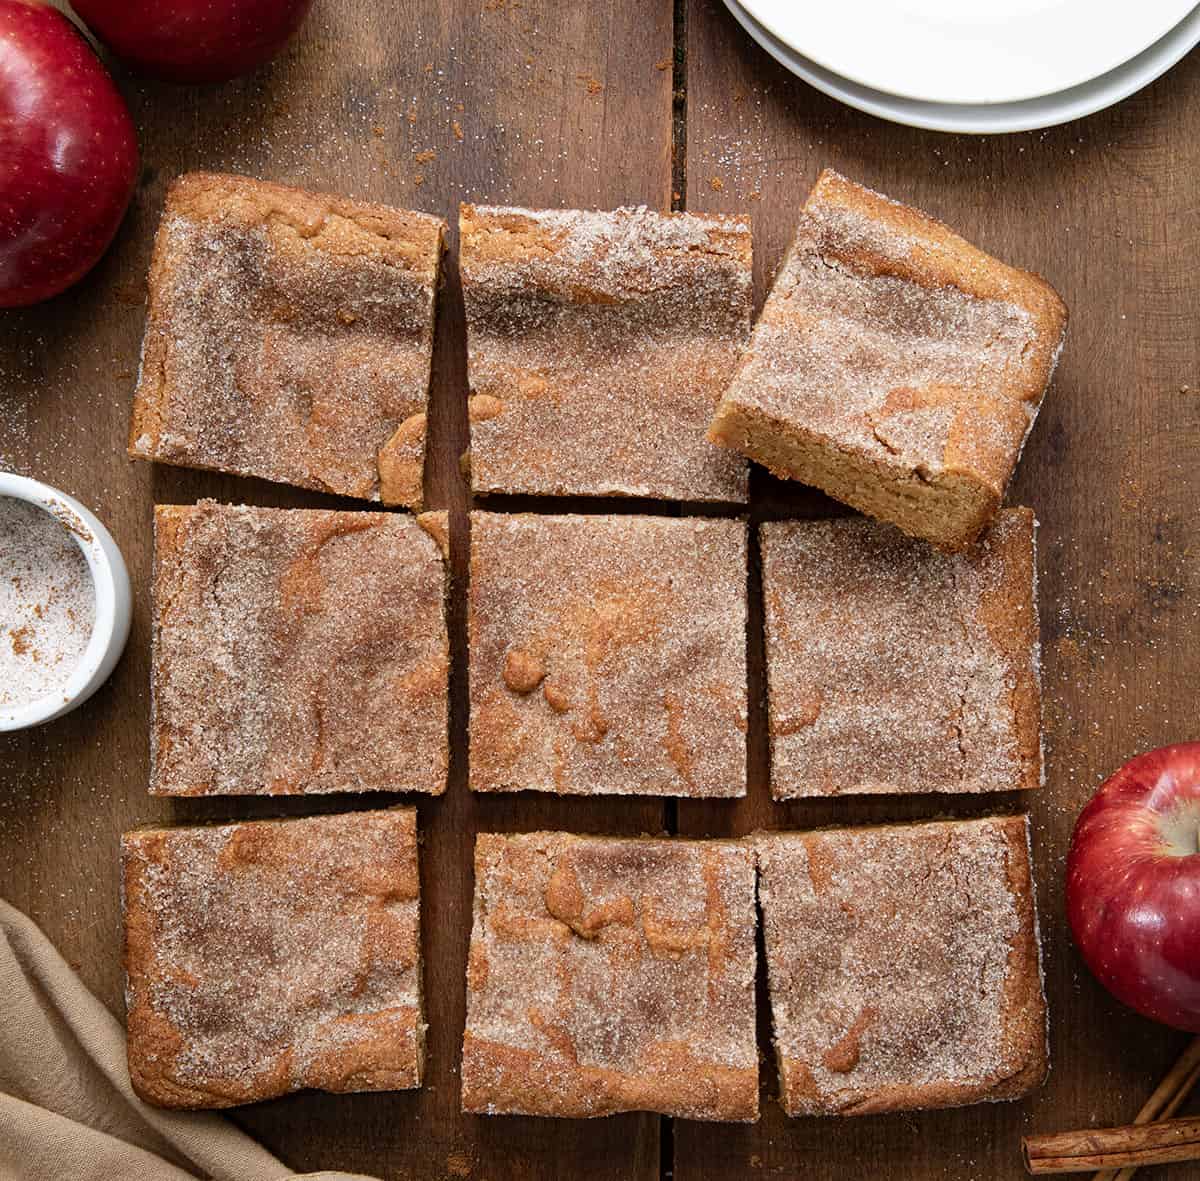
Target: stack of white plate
(974, 65)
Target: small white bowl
(114, 603)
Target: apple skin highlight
(1133, 885)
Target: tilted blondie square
(297, 651)
(289, 336)
(895, 366)
(611, 975)
(271, 956)
(599, 344)
(893, 667)
(608, 654)
(903, 965)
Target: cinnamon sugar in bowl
(64, 603)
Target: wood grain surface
(425, 104)
(1104, 209)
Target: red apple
(1133, 885)
(193, 40)
(68, 154)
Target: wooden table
(599, 103)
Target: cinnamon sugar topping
(600, 344)
(608, 655)
(270, 956)
(881, 364)
(903, 965)
(895, 668)
(47, 603)
(297, 651)
(894, 365)
(289, 336)
(611, 975)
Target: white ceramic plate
(1028, 115)
(969, 51)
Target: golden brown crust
(436, 523)
(944, 259)
(903, 965)
(894, 365)
(402, 464)
(505, 1080)
(599, 344)
(611, 975)
(608, 654)
(296, 651)
(1008, 610)
(326, 221)
(288, 336)
(271, 956)
(1024, 1002)
(892, 667)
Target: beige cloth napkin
(67, 1109)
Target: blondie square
(289, 336)
(608, 654)
(599, 344)
(270, 956)
(297, 651)
(611, 975)
(903, 965)
(893, 667)
(895, 366)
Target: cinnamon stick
(1157, 1143)
(1166, 1100)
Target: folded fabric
(67, 1108)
